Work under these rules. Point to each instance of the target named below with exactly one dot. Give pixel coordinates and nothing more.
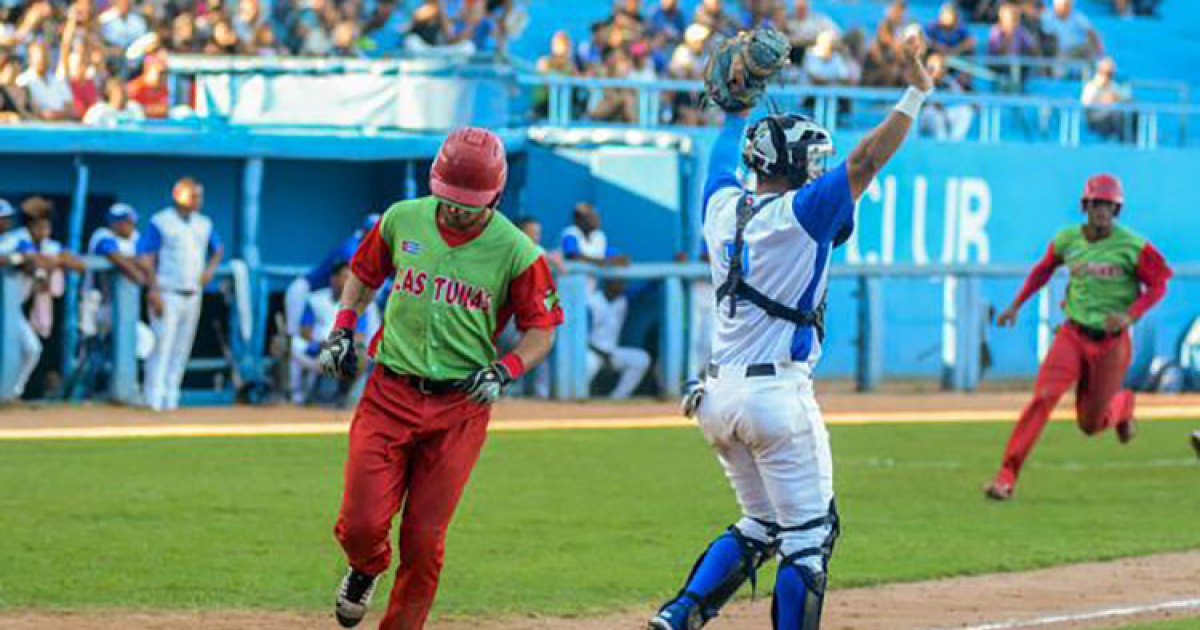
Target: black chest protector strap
(735, 287)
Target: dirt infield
(1132, 589)
(836, 406)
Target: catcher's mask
(789, 145)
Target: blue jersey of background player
(317, 278)
(771, 247)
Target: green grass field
(561, 522)
(1184, 624)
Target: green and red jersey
(1121, 273)
(452, 292)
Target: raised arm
(874, 151)
(725, 155)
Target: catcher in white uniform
(771, 245)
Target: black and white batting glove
(338, 358)
(485, 386)
(693, 394)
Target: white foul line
(1127, 611)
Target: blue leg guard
(729, 562)
(799, 587)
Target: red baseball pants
(417, 450)
(1098, 367)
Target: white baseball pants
(294, 299)
(31, 353)
(631, 363)
(770, 439)
(174, 332)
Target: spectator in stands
(224, 39)
(15, 103)
(948, 35)
(945, 122)
(824, 64)
(984, 11)
(310, 28)
(589, 55)
(1135, 7)
(560, 60)
(616, 104)
(81, 77)
(606, 317)
(628, 19)
(150, 89)
(687, 64)
(430, 31)
(345, 40)
(44, 261)
(484, 24)
(1099, 95)
(585, 241)
(764, 14)
(49, 93)
(1009, 37)
(1072, 31)
(667, 24)
(247, 20)
(183, 37)
(116, 108)
(882, 67)
(120, 25)
(265, 44)
(805, 26)
(712, 14)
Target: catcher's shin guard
(731, 560)
(800, 583)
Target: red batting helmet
(1104, 188)
(470, 168)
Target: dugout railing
(964, 315)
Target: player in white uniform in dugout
(180, 251)
(771, 245)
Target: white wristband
(911, 102)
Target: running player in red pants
(1116, 276)
(461, 271)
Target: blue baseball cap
(6, 210)
(121, 212)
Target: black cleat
(353, 597)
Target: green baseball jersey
(443, 313)
(1104, 273)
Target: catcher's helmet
(1104, 187)
(470, 168)
(791, 145)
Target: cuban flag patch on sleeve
(410, 247)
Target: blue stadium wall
(935, 203)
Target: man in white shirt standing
(50, 94)
(1076, 37)
(607, 310)
(180, 251)
(120, 26)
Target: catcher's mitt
(738, 70)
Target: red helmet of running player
(470, 168)
(1104, 188)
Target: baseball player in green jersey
(1116, 276)
(461, 271)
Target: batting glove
(485, 386)
(338, 358)
(693, 394)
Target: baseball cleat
(353, 597)
(1126, 431)
(1196, 442)
(676, 615)
(998, 491)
